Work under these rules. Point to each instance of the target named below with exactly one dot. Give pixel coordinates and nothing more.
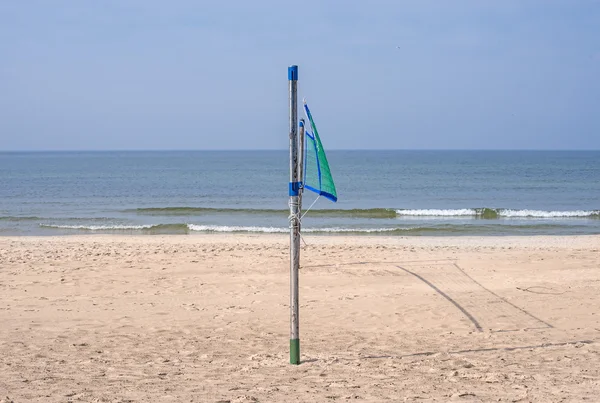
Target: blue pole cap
(293, 72)
(301, 123)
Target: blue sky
(129, 74)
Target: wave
(442, 229)
(152, 229)
(375, 213)
(97, 227)
(491, 213)
(185, 228)
(18, 218)
(198, 211)
(69, 219)
(437, 212)
(226, 228)
(549, 214)
(229, 228)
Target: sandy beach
(205, 318)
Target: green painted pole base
(295, 352)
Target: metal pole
(294, 191)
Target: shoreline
(585, 240)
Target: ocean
(397, 193)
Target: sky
(379, 74)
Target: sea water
(380, 192)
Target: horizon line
(286, 149)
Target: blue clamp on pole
(295, 188)
(293, 73)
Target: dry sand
(205, 318)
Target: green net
(317, 175)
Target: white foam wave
(438, 212)
(222, 228)
(546, 214)
(506, 213)
(98, 227)
(361, 230)
(225, 228)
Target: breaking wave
(200, 211)
(490, 213)
(185, 228)
(151, 229)
(440, 229)
(225, 228)
(375, 213)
